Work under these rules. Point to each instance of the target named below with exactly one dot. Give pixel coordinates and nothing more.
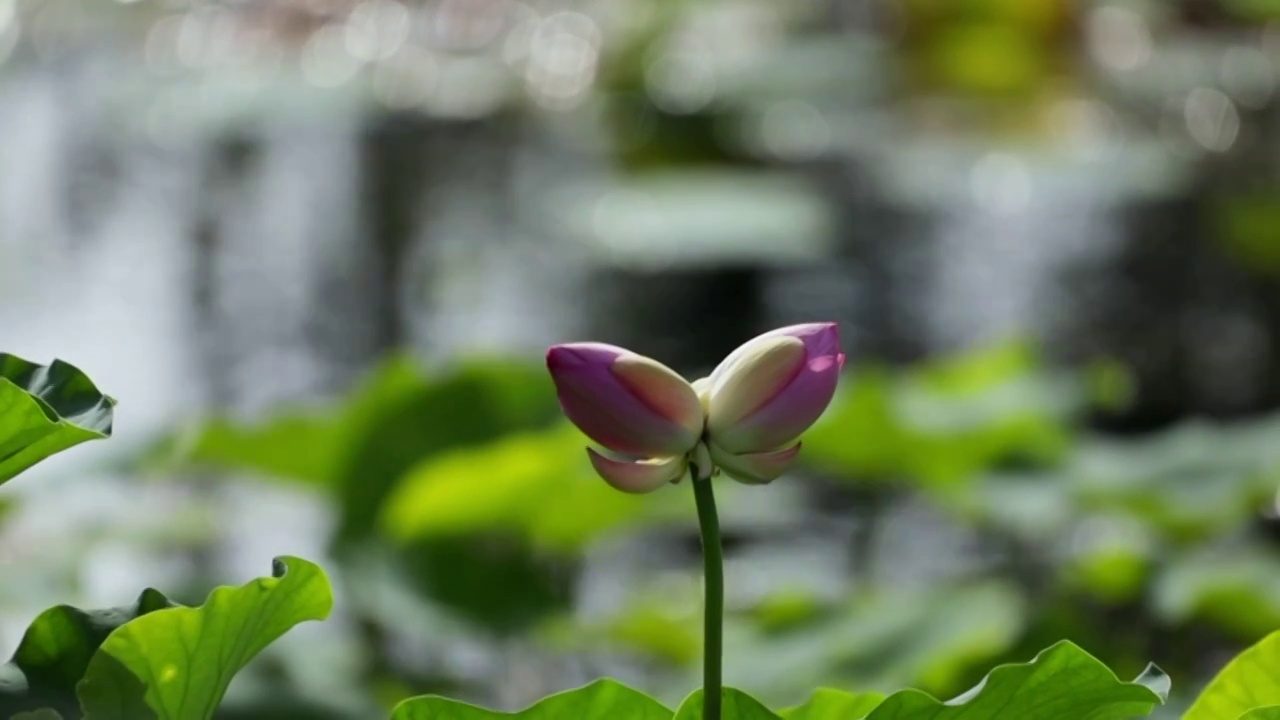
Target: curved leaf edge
(734, 703)
(1153, 680)
(1271, 712)
(92, 685)
(52, 641)
(824, 699)
(1260, 658)
(404, 707)
(43, 384)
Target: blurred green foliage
(538, 485)
(986, 48)
(945, 422)
(1253, 10)
(1249, 226)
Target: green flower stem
(713, 573)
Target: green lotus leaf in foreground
(45, 410)
(176, 664)
(55, 651)
(734, 705)
(1251, 681)
(1266, 713)
(601, 700)
(1061, 683)
(828, 704)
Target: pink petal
(758, 375)
(792, 411)
(627, 412)
(662, 389)
(821, 338)
(637, 476)
(754, 468)
(750, 410)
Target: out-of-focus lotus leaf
(1111, 385)
(975, 372)
(861, 409)
(1032, 17)
(45, 410)
(1237, 589)
(1249, 224)
(513, 513)
(1190, 482)
(1115, 575)
(1254, 10)
(986, 58)
(933, 638)
(787, 609)
(361, 448)
(399, 419)
(1034, 506)
(944, 423)
(394, 427)
(648, 630)
(298, 447)
(539, 484)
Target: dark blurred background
(317, 248)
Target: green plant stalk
(713, 574)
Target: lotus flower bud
(766, 394)
(629, 404)
(745, 419)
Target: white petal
(760, 370)
(637, 476)
(755, 468)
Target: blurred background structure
(317, 247)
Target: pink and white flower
(745, 419)
(762, 397)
